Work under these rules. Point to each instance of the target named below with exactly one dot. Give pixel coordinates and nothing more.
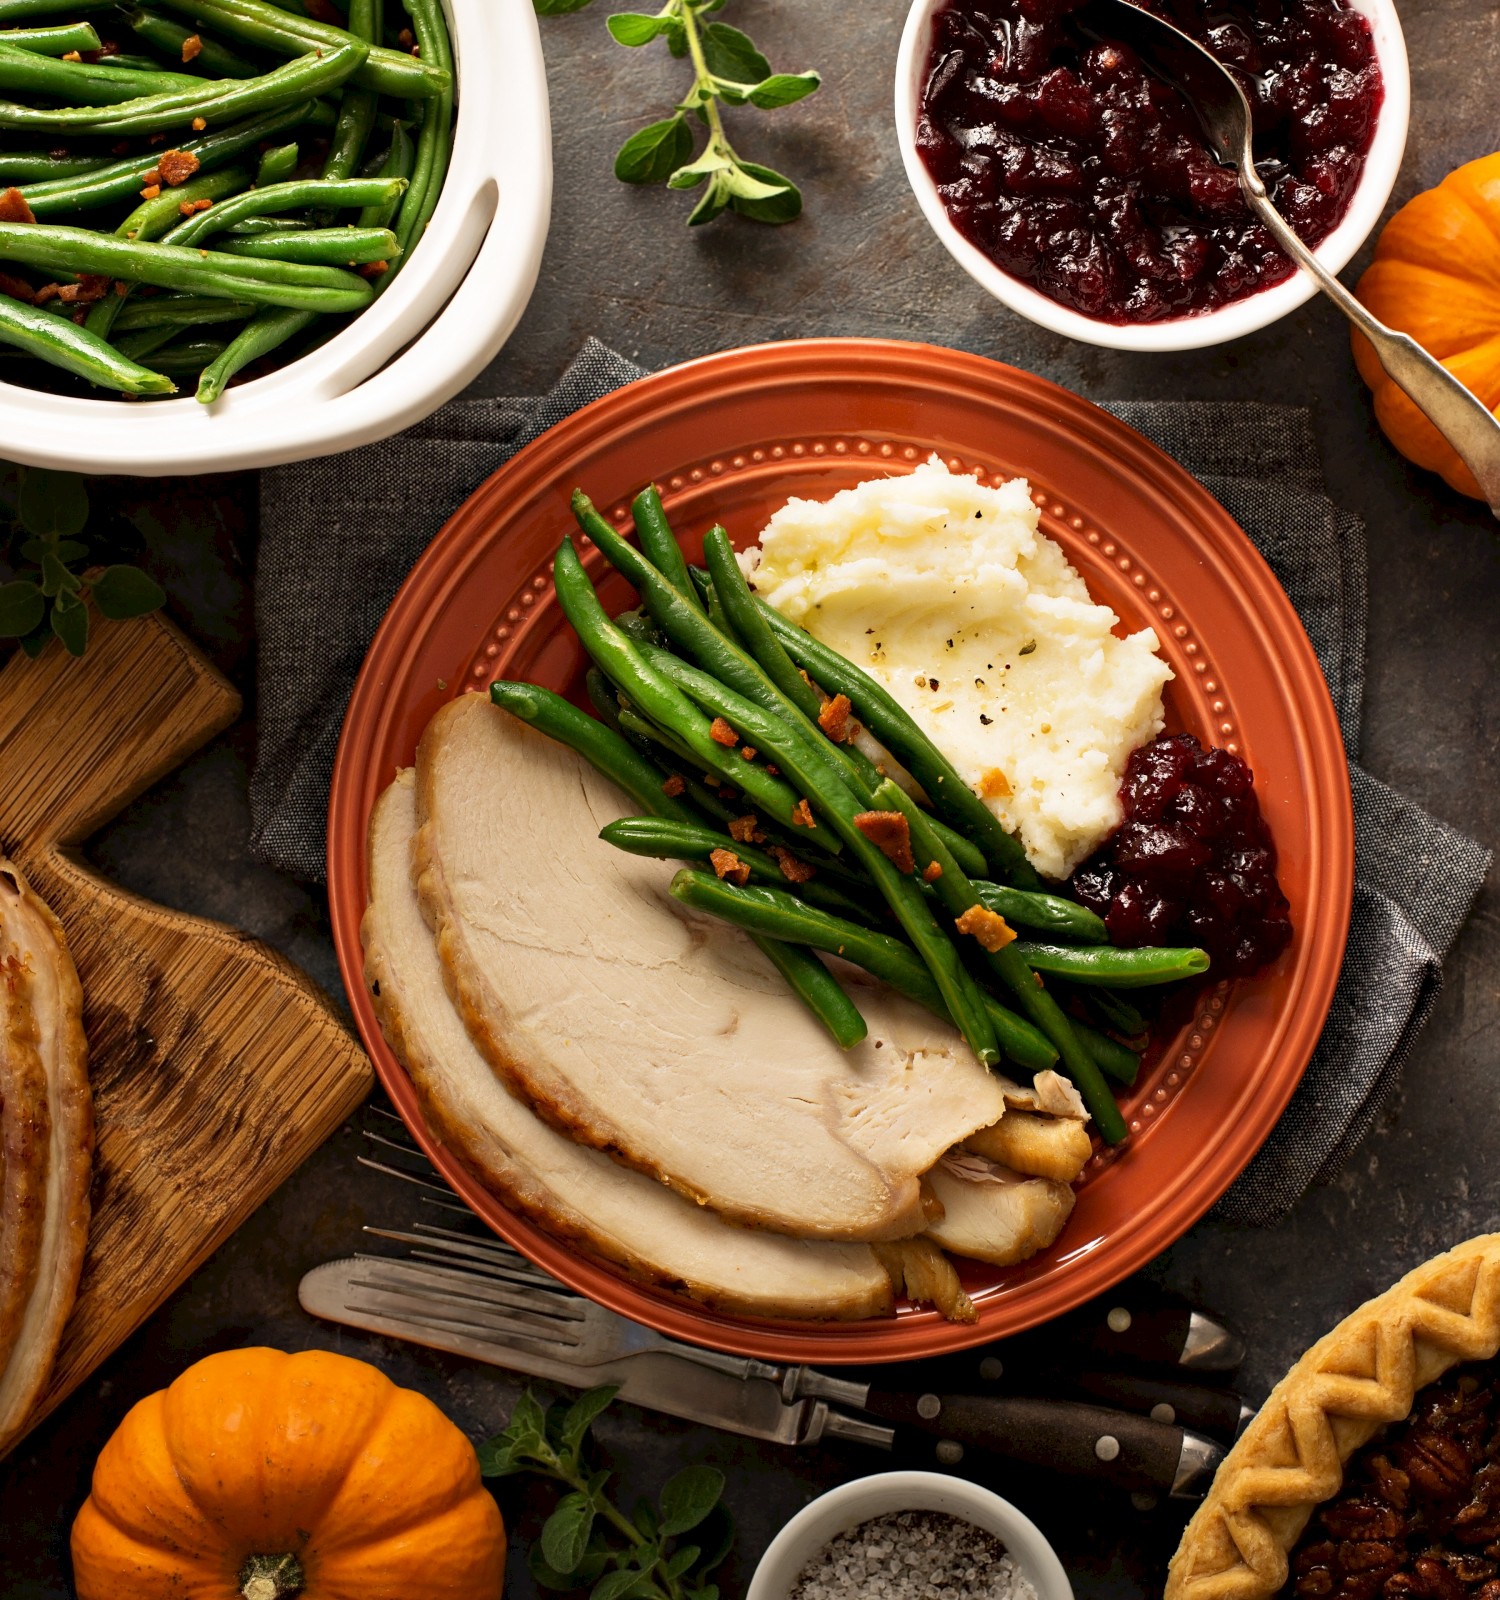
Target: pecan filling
(1419, 1515)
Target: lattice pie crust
(1352, 1383)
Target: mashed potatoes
(945, 591)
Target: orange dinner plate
(729, 438)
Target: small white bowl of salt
(905, 1536)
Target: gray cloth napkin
(338, 536)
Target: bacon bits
(373, 269)
(793, 870)
(721, 733)
(988, 927)
(91, 286)
(746, 830)
(17, 289)
(674, 786)
(802, 814)
(833, 719)
(890, 833)
(191, 208)
(728, 865)
(176, 167)
(192, 48)
(13, 207)
(932, 872)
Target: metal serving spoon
(1459, 415)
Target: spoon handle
(1459, 415)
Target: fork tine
(477, 1254)
(500, 1250)
(403, 1146)
(494, 1316)
(481, 1333)
(404, 1175)
(556, 1308)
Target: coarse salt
(913, 1555)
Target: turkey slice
(32, 942)
(1038, 1146)
(994, 1214)
(573, 1192)
(657, 1035)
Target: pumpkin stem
(271, 1578)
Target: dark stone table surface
(620, 264)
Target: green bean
(274, 283)
(1115, 1010)
(1112, 1058)
(294, 81)
(78, 83)
(817, 988)
(435, 142)
(131, 63)
(23, 166)
(169, 37)
(366, 18)
(659, 542)
(338, 247)
(259, 227)
(779, 915)
(189, 358)
(664, 839)
(181, 311)
(54, 41)
(145, 342)
(1049, 912)
(122, 180)
(810, 764)
(397, 163)
(743, 621)
(600, 746)
(621, 660)
(891, 724)
(1115, 969)
(953, 888)
(351, 133)
(336, 192)
(15, 10)
(62, 343)
(278, 165)
(610, 754)
(153, 218)
(268, 331)
(258, 23)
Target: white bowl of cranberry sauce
(1078, 189)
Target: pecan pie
(1375, 1463)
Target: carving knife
(1089, 1441)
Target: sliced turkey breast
(576, 1193)
(25, 1126)
(994, 1214)
(661, 1037)
(1038, 1146)
(32, 942)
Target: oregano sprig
(588, 1542)
(42, 515)
(728, 70)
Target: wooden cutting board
(216, 1066)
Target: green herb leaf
(558, 8)
(687, 1498)
(70, 622)
(546, 1576)
(56, 579)
(565, 1534)
(712, 204)
(709, 164)
(121, 592)
(785, 205)
(635, 28)
(744, 185)
(615, 1585)
(527, 1417)
(54, 505)
(716, 1535)
(37, 640)
(653, 154)
(498, 1459)
(731, 56)
(63, 549)
(23, 608)
(682, 1559)
(783, 89)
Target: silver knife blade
(338, 1291)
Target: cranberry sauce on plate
(1193, 862)
(1075, 170)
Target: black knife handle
(1139, 1322)
(1081, 1441)
(1190, 1405)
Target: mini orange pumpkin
(1436, 276)
(261, 1476)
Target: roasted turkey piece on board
(46, 1146)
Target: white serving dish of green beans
(373, 227)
